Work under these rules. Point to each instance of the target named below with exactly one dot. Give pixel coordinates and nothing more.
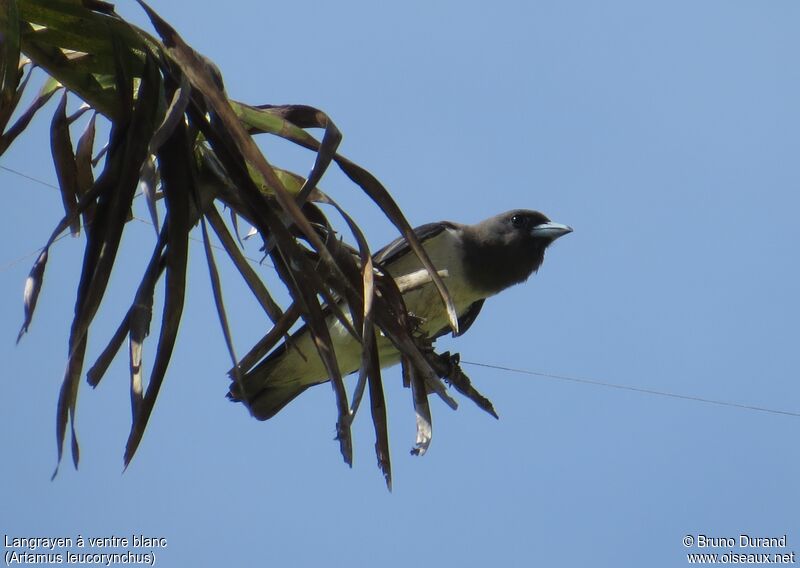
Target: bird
(480, 261)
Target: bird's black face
(526, 229)
(526, 219)
(508, 248)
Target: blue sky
(665, 133)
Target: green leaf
(50, 87)
(9, 54)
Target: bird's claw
(448, 367)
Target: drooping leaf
(9, 59)
(7, 108)
(64, 161)
(216, 286)
(116, 187)
(447, 366)
(136, 322)
(173, 115)
(253, 281)
(67, 397)
(369, 357)
(47, 91)
(83, 163)
(148, 180)
(139, 318)
(392, 319)
(378, 193)
(177, 179)
(421, 408)
(165, 99)
(235, 145)
(273, 336)
(255, 117)
(309, 117)
(72, 118)
(378, 406)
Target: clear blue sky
(667, 134)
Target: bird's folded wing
(400, 246)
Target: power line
(634, 389)
(579, 380)
(26, 176)
(12, 263)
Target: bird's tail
(269, 400)
(270, 385)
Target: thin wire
(634, 389)
(26, 176)
(12, 263)
(473, 363)
(9, 265)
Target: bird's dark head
(507, 248)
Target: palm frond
(176, 134)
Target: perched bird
(481, 260)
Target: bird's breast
(446, 253)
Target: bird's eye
(518, 221)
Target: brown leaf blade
(421, 408)
(236, 148)
(309, 117)
(85, 172)
(369, 354)
(270, 340)
(148, 179)
(251, 278)
(375, 190)
(64, 161)
(25, 118)
(98, 370)
(65, 410)
(181, 114)
(216, 286)
(449, 368)
(116, 188)
(378, 407)
(136, 322)
(178, 185)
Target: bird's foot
(415, 323)
(448, 368)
